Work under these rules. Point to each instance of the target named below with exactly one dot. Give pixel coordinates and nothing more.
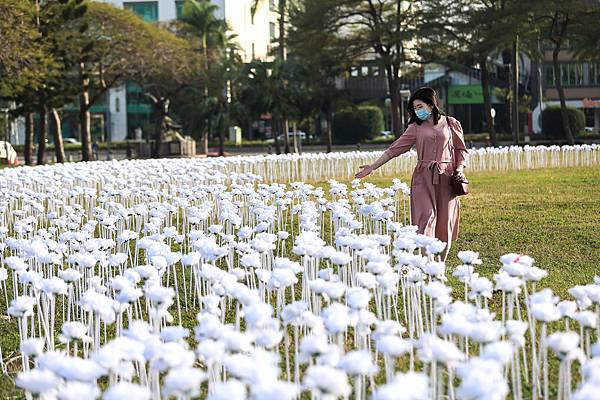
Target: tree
(367, 28)
(51, 17)
(104, 48)
(199, 19)
(167, 66)
(462, 32)
(39, 83)
(284, 8)
(561, 22)
(586, 42)
(22, 59)
(323, 59)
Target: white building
(253, 34)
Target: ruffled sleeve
(461, 154)
(403, 143)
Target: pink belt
(434, 167)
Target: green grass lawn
(553, 215)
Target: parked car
(301, 135)
(71, 141)
(8, 155)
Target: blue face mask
(422, 113)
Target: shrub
(358, 124)
(552, 121)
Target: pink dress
(434, 207)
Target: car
(71, 141)
(300, 134)
(8, 155)
(385, 133)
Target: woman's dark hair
(428, 96)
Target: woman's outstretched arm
(399, 146)
(367, 169)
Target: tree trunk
(204, 149)
(295, 137)
(487, 100)
(318, 127)
(59, 148)
(286, 137)
(515, 90)
(158, 128)
(276, 134)
(393, 84)
(329, 118)
(29, 131)
(250, 130)
(558, 79)
(506, 60)
(561, 94)
(42, 136)
(221, 129)
(84, 116)
(281, 10)
(282, 6)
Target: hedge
(552, 122)
(357, 124)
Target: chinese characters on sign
(589, 103)
(465, 94)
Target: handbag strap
(450, 141)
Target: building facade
(126, 109)
(459, 89)
(581, 83)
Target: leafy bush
(354, 125)
(552, 121)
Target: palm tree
(283, 10)
(199, 19)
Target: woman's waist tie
(435, 167)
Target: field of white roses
(297, 290)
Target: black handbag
(459, 183)
(458, 180)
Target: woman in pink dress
(434, 207)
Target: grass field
(552, 215)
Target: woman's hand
(365, 170)
(458, 172)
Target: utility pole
(540, 88)
(515, 97)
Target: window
(354, 71)
(179, 7)
(253, 52)
(271, 31)
(571, 74)
(147, 10)
(272, 5)
(375, 71)
(364, 70)
(594, 73)
(117, 105)
(549, 75)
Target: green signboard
(465, 94)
